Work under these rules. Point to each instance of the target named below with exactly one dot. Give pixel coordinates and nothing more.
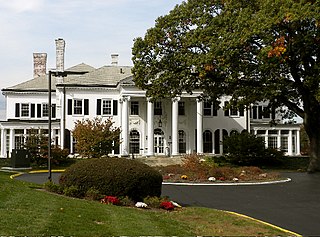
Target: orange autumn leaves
(278, 48)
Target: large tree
(258, 50)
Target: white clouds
(19, 6)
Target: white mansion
(182, 125)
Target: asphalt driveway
(293, 205)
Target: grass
(24, 210)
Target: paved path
(294, 205)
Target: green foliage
(113, 176)
(72, 191)
(154, 202)
(126, 201)
(247, 149)
(37, 145)
(52, 187)
(95, 138)
(261, 50)
(93, 194)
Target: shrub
(247, 149)
(115, 177)
(154, 201)
(72, 191)
(126, 201)
(93, 194)
(167, 205)
(52, 187)
(111, 200)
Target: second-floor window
(45, 110)
(157, 108)
(134, 108)
(25, 110)
(181, 108)
(78, 107)
(107, 107)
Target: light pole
(49, 127)
(56, 74)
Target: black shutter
(241, 110)
(226, 112)
(33, 110)
(98, 106)
(53, 111)
(115, 107)
(39, 110)
(69, 106)
(86, 107)
(17, 110)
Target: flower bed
(196, 169)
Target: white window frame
(25, 108)
(103, 108)
(45, 111)
(76, 108)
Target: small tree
(95, 138)
(37, 145)
(247, 149)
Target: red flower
(110, 200)
(167, 206)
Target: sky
(92, 30)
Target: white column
(11, 141)
(298, 142)
(3, 143)
(221, 141)
(266, 137)
(290, 143)
(174, 123)
(279, 140)
(150, 128)
(199, 126)
(125, 126)
(120, 125)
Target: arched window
(207, 141)
(182, 142)
(134, 144)
(224, 135)
(217, 141)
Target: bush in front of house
(113, 177)
(248, 149)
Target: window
(106, 107)
(233, 111)
(45, 110)
(134, 145)
(207, 141)
(77, 106)
(134, 108)
(181, 108)
(273, 142)
(284, 144)
(24, 110)
(182, 142)
(157, 108)
(207, 108)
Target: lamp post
(56, 74)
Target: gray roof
(104, 76)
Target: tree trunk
(312, 126)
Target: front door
(158, 142)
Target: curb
(230, 184)
(34, 172)
(291, 233)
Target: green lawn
(24, 210)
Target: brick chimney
(114, 59)
(39, 64)
(60, 48)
